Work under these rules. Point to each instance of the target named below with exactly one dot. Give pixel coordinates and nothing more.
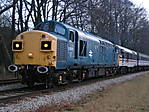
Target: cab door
(71, 48)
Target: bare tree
(119, 21)
(13, 18)
(7, 7)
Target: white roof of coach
(127, 50)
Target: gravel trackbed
(65, 97)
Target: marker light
(17, 45)
(45, 45)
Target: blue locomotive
(55, 52)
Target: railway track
(17, 94)
(9, 81)
(12, 87)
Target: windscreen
(51, 27)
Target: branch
(8, 7)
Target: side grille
(61, 50)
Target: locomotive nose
(36, 48)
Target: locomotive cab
(35, 52)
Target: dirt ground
(131, 96)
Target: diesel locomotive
(57, 53)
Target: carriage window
(122, 53)
(127, 56)
(71, 37)
(83, 48)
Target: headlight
(17, 45)
(45, 45)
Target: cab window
(59, 29)
(46, 26)
(71, 36)
(51, 27)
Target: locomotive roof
(86, 34)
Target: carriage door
(71, 47)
